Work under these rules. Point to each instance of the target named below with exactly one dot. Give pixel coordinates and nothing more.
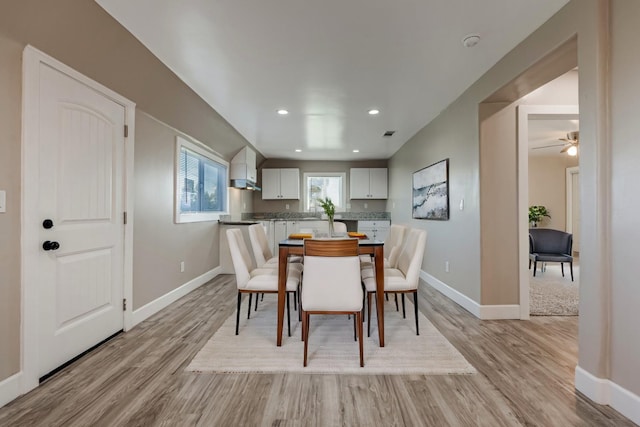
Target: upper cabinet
(368, 183)
(279, 184)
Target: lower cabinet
(375, 230)
(279, 234)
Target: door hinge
(124, 304)
(124, 217)
(126, 131)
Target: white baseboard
(10, 388)
(158, 304)
(606, 392)
(484, 312)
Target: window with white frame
(201, 183)
(324, 184)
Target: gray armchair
(548, 245)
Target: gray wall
(625, 205)
(307, 166)
(10, 116)
(80, 34)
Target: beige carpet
(550, 294)
(332, 348)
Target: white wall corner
(10, 388)
(158, 304)
(606, 392)
(483, 312)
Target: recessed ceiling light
(470, 40)
(356, 151)
(298, 150)
(374, 112)
(283, 112)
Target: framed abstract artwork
(430, 197)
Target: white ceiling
(328, 62)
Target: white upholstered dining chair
(262, 252)
(404, 278)
(258, 280)
(392, 246)
(331, 284)
(339, 227)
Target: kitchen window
(324, 184)
(201, 183)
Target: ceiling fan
(571, 147)
(571, 144)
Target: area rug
(550, 294)
(332, 348)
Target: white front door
(80, 190)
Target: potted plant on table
(329, 210)
(537, 214)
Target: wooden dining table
(291, 247)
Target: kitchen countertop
(243, 222)
(300, 216)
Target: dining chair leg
(571, 268)
(396, 297)
(249, 311)
(369, 311)
(295, 300)
(529, 264)
(305, 328)
(355, 327)
(360, 332)
(256, 309)
(415, 307)
(535, 266)
(238, 312)
(562, 268)
(288, 316)
(262, 299)
(404, 315)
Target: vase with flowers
(537, 214)
(329, 210)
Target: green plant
(328, 207)
(537, 213)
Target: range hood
(242, 171)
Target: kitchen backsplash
(307, 215)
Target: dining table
(293, 247)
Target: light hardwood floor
(525, 378)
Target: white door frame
(526, 112)
(575, 170)
(30, 242)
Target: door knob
(47, 224)
(50, 246)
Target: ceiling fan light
(572, 151)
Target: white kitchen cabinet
(279, 234)
(368, 183)
(375, 229)
(280, 184)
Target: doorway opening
(504, 174)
